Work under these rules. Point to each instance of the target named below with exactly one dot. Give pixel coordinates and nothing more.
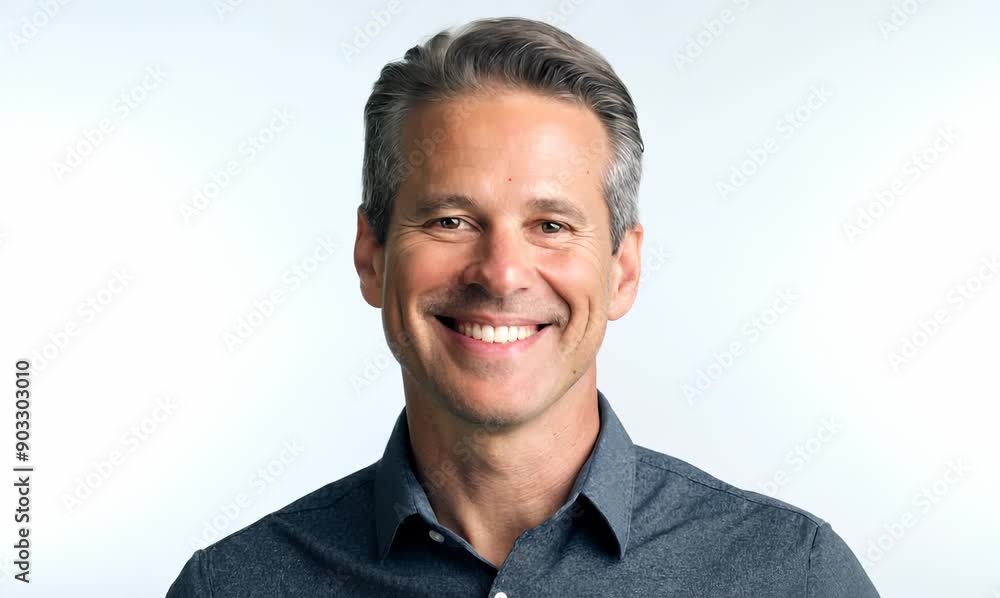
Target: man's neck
(489, 485)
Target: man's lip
(493, 320)
(478, 347)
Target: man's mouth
(487, 333)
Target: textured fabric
(637, 523)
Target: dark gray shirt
(637, 523)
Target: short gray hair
(514, 53)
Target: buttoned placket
(529, 551)
(526, 550)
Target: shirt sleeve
(834, 571)
(194, 579)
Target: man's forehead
(522, 123)
(490, 150)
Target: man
(498, 235)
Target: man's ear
(626, 268)
(369, 261)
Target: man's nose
(502, 264)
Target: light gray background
(317, 372)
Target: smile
(486, 338)
(491, 334)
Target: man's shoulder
(730, 524)
(330, 495)
(327, 516)
(349, 496)
(695, 488)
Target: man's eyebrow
(558, 205)
(429, 205)
(432, 204)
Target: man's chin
(488, 404)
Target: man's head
(501, 172)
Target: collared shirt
(636, 523)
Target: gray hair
(514, 53)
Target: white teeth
(499, 335)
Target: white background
(712, 264)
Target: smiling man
(499, 235)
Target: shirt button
(437, 537)
(500, 595)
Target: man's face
(500, 223)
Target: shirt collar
(606, 479)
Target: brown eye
(450, 220)
(557, 225)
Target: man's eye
(558, 226)
(449, 222)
